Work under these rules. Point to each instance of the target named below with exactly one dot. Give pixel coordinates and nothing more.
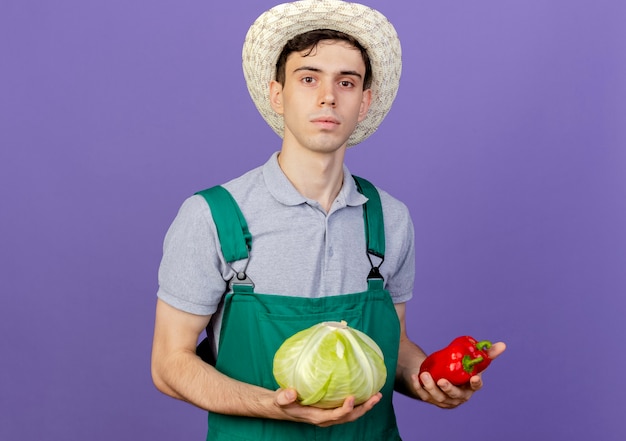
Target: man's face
(322, 99)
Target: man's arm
(178, 372)
(410, 357)
(443, 393)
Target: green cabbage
(328, 362)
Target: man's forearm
(183, 375)
(410, 358)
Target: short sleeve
(399, 266)
(191, 270)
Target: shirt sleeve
(399, 266)
(191, 270)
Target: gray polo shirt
(297, 248)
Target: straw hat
(270, 32)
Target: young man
(323, 74)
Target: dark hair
(309, 40)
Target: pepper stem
(482, 345)
(469, 363)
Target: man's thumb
(286, 396)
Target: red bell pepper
(463, 358)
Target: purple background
(507, 142)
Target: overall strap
(235, 239)
(374, 226)
(232, 230)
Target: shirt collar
(284, 192)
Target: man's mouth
(326, 121)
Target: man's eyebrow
(308, 68)
(316, 69)
(351, 73)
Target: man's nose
(327, 96)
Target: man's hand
(446, 395)
(285, 400)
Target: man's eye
(346, 83)
(308, 80)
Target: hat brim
(270, 32)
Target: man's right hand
(286, 401)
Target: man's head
(322, 98)
(287, 27)
(308, 41)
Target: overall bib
(255, 325)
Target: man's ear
(276, 97)
(365, 104)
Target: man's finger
(496, 349)
(286, 397)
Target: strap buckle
(241, 279)
(375, 271)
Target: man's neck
(317, 176)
